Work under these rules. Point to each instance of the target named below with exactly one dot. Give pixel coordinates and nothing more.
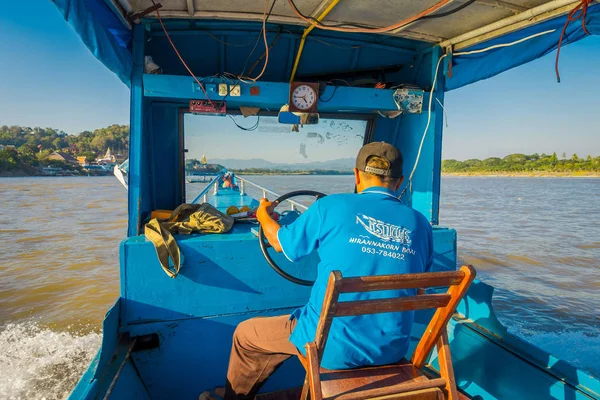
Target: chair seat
(372, 382)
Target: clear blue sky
(525, 110)
(49, 79)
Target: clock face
(303, 97)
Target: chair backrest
(457, 281)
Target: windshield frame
(369, 132)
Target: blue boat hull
(170, 338)
(193, 353)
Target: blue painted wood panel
(165, 156)
(272, 95)
(215, 47)
(194, 354)
(223, 274)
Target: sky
(48, 78)
(331, 139)
(524, 110)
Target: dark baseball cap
(387, 152)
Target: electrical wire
(240, 78)
(323, 25)
(264, 52)
(251, 52)
(437, 68)
(580, 11)
(333, 45)
(334, 89)
(341, 24)
(385, 29)
(264, 31)
(444, 109)
(497, 46)
(230, 44)
(409, 185)
(339, 80)
(449, 12)
(330, 97)
(252, 128)
(257, 40)
(181, 58)
(297, 35)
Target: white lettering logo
(385, 231)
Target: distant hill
(340, 164)
(233, 163)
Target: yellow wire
(305, 34)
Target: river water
(537, 240)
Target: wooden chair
(399, 381)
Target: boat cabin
(348, 72)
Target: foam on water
(541, 253)
(39, 363)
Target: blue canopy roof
(468, 69)
(102, 32)
(109, 39)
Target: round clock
(304, 97)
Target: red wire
(181, 58)
(578, 12)
(384, 29)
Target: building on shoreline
(61, 156)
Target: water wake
(38, 363)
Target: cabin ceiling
(371, 13)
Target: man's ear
(399, 183)
(356, 177)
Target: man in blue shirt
(367, 233)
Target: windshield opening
(259, 148)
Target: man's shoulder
(418, 217)
(336, 199)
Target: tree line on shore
(26, 148)
(522, 163)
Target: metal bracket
(138, 15)
(448, 63)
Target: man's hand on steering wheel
(267, 223)
(269, 228)
(266, 205)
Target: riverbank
(531, 174)
(19, 173)
(535, 174)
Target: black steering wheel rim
(263, 243)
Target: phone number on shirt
(380, 252)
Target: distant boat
(52, 171)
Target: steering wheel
(264, 244)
